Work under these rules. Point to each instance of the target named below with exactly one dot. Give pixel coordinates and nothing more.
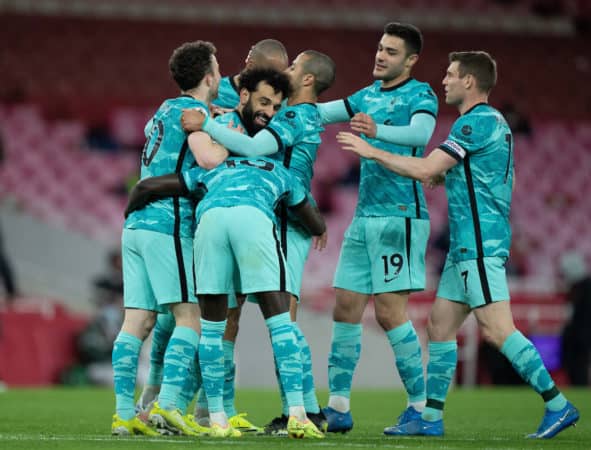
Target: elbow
(208, 163)
(142, 186)
(424, 175)
(427, 169)
(423, 179)
(422, 141)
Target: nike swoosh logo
(557, 424)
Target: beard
(249, 117)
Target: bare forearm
(152, 189)
(311, 218)
(207, 153)
(410, 167)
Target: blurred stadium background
(79, 79)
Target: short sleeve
(297, 193)
(287, 127)
(354, 103)
(468, 134)
(425, 102)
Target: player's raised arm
(422, 169)
(155, 188)
(263, 143)
(334, 111)
(415, 134)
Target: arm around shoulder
(263, 143)
(151, 189)
(207, 153)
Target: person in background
(6, 272)
(576, 335)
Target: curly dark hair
(190, 62)
(250, 79)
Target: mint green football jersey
(381, 192)
(166, 151)
(479, 187)
(297, 130)
(228, 93)
(261, 183)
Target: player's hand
(362, 123)
(319, 242)
(218, 110)
(193, 119)
(354, 143)
(236, 127)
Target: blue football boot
(554, 422)
(338, 422)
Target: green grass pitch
(487, 418)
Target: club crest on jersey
(396, 101)
(466, 130)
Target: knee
(344, 312)
(232, 327)
(148, 324)
(140, 326)
(348, 310)
(437, 332)
(389, 318)
(187, 316)
(495, 337)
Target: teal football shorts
(383, 254)
(156, 270)
(475, 282)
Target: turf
(492, 418)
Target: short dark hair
(411, 35)
(250, 79)
(190, 62)
(322, 67)
(271, 48)
(480, 65)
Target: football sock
(443, 357)
(284, 407)
(407, 351)
(343, 358)
(219, 417)
(126, 351)
(163, 329)
(229, 376)
(201, 403)
(191, 385)
(310, 399)
(527, 362)
(181, 348)
(287, 357)
(211, 361)
(339, 403)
